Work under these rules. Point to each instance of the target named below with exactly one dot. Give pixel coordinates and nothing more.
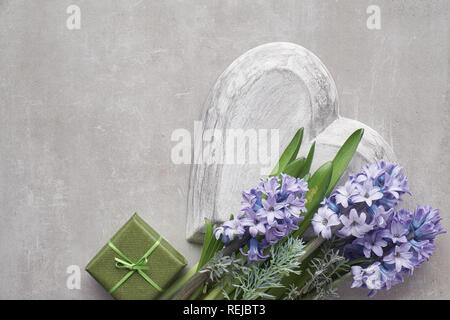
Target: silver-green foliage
(253, 283)
(222, 267)
(322, 271)
(293, 293)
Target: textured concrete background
(86, 116)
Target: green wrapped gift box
(137, 263)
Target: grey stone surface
(86, 116)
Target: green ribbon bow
(139, 266)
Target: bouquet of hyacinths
(264, 252)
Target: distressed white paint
(276, 85)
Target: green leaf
(289, 154)
(307, 177)
(206, 242)
(343, 157)
(210, 245)
(295, 167)
(317, 184)
(305, 169)
(358, 261)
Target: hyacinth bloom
(426, 223)
(395, 241)
(400, 257)
(373, 242)
(367, 192)
(269, 212)
(323, 221)
(380, 216)
(365, 201)
(294, 206)
(354, 224)
(344, 193)
(255, 227)
(254, 252)
(231, 229)
(398, 232)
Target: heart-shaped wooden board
(279, 86)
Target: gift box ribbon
(139, 266)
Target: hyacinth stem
(196, 293)
(169, 292)
(199, 278)
(311, 247)
(216, 293)
(213, 293)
